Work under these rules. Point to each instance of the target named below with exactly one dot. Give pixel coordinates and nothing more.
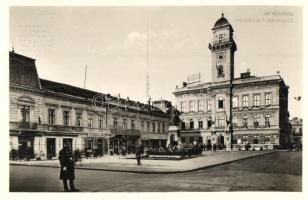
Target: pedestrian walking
(67, 171)
(120, 152)
(214, 147)
(138, 155)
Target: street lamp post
(230, 120)
(106, 99)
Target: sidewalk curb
(150, 172)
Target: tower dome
(221, 22)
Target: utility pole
(148, 96)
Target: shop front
(154, 140)
(95, 144)
(191, 138)
(26, 144)
(124, 141)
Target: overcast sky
(111, 41)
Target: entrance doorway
(25, 149)
(221, 142)
(51, 147)
(99, 150)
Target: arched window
(245, 120)
(268, 120)
(234, 102)
(191, 124)
(268, 99)
(220, 103)
(245, 101)
(256, 100)
(256, 121)
(234, 120)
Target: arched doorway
(220, 142)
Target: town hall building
(232, 112)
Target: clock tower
(222, 47)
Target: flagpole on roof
(85, 77)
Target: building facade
(232, 112)
(297, 132)
(46, 114)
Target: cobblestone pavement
(124, 164)
(279, 171)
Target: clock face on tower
(221, 57)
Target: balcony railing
(51, 127)
(27, 125)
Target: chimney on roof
(245, 74)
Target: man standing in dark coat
(67, 168)
(138, 155)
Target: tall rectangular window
(132, 124)
(158, 127)
(124, 124)
(163, 127)
(234, 120)
(220, 103)
(200, 105)
(183, 125)
(245, 120)
(100, 121)
(256, 121)
(148, 126)
(209, 123)
(51, 116)
(191, 106)
(78, 119)
(182, 106)
(245, 101)
(25, 113)
(153, 127)
(115, 123)
(191, 124)
(256, 139)
(142, 125)
(268, 99)
(208, 105)
(234, 102)
(256, 100)
(268, 120)
(90, 120)
(66, 118)
(200, 124)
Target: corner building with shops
(46, 114)
(229, 111)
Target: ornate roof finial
(13, 49)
